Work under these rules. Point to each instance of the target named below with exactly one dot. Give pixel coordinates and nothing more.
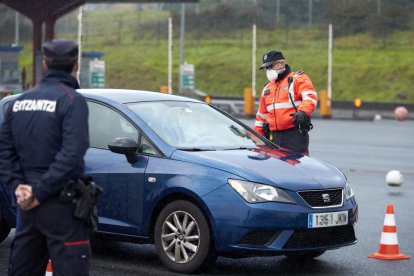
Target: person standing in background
(286, 104)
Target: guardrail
(340, 109)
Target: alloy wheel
(180, 237)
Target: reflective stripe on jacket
(275, 105)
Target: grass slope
(136, 57)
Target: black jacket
(44, 136)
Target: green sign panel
(187, 77)
(97, 74)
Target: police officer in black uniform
(43, 140)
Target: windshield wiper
(239, 148)
(237, 131)
(196, 149)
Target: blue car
(200, 184)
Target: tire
(307, 256)
(183, 251)
(4, 227)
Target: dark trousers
(50, 231)
(292, 139)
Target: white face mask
(272, 74)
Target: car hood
(281, 168)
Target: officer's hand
(30, 204)
(298, 117)
(25, 198)
(23, 192)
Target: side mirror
(125, 145)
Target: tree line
(220, 17)
(378, 17)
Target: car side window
(147, 148)
(106, 124)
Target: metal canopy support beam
(68, 7)
(37, 44)
(142, 1)
(50, 28)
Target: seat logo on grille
(326, 198)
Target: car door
(120, 205)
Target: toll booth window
(106, 124)
(9, 75)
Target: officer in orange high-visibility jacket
(286, 104)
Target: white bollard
(377, 117)
(394, 178)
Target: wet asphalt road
(365, 151)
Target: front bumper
(273, 228)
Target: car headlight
(348, 191)
(255, 193)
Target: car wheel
(182, 238)
(305, 256)
(4, 227)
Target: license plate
(327, 219)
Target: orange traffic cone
(388, 248)
(49, 271)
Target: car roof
(129, 96)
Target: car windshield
(195, 126)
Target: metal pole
(182, 44)
(310, 13)
(254, 62)
(37, 47)
(277, 11)
(170, 44)
(378, 7)
(16, 34)
(80, 21)
(330, 66)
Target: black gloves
(298, 117)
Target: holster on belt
(83, 193)
(266, 130)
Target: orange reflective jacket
(275, 105)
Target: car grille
(261, 238)
(322, 198)
(320, 237)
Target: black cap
(60, 52)
(271, 58)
